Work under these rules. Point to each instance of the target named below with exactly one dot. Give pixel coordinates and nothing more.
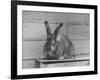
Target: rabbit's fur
(57, 46)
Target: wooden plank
(64, 60)
(54, 17)
(66, 64)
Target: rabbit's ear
(56, 32)
(47, 28)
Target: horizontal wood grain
(54, 17)
(64, 60)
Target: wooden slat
(64, 60)
(54, 17)
(44, 39)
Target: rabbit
(57, 46)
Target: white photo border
(21, 71)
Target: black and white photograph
(54, 39)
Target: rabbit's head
(51, 44)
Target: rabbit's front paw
(61, 57)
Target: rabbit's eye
(53, 44)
